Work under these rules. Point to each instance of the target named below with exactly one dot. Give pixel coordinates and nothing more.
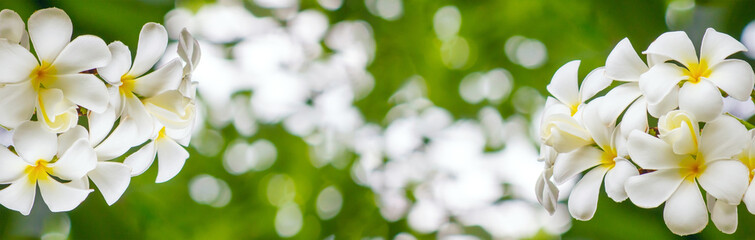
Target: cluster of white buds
(42, 98)
(690, 143)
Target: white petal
(600, 131)
(546, 191)
(652, 153)
(168, 77)
(722, 138)
(674, 45)
(19, 196)
(624, 64)
(724, 216)
(17, 104)
(171, 108)
(119, 63)
(616, 177)
(564, 133)
(100, 125)
(651, 189)
(635, 118)
(563, 85)
(668, 103)
(171, 158)
(749, 198)
(93, 96)
(153, 39)
(32, 142)
(142, 159)
(83, 53)
(570, 164)
(50, 31)
(702, 99)
(725, 180)
(189, 51)
(68, 138)
(122, 138)
(61, 197)
(717, 46)
(583, 200)
(617, 100)
(12, 27)
(595, 82)
(13, 166)
(657, 82)
(112, 179)
(136, 112)
(76, 161)
(685, 211)
(16, 63)
(735, 77)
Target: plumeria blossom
(48, 161)
(723, 214)
(701, 79)
(709, 161)
(560, 124)
(50, 83)
(174, 114)
(42, 97)
(692, 144)
(608, 160)
(129, 85)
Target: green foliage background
(571, 29)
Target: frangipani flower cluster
(694, 145)
(46, 94)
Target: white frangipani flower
(677, 175)
(129, 84)
(174, 114)
(608, 159)
(724, 215)
(51, 83)
(560, 123)
(46, 160)
(700, 78)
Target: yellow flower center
(38, 171)
(162, 133)
(693, 168)
(127, 85)
(607, 159)
(42, 74)
(697, 70)
(574, 109)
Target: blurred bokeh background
(371, 119)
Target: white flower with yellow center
(48, 161)
(676, 176)
(607, 160)
(174, 112)
(701, 79)
(52, 84)
(129, 86)
(560, 125)
(724, 215)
